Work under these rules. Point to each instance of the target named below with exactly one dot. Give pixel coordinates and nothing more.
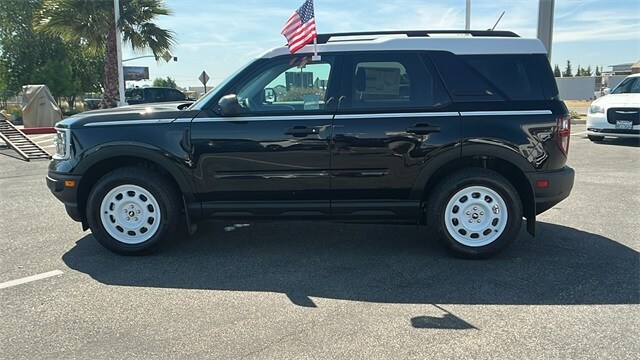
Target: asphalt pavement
(321, 290)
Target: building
(621, 69)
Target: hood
(615, 100)
(167, 111)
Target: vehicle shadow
(376, 263)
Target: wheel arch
(99, 163)
(430, 176)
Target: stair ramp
(18, 141)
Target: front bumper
(59, 186)
(597, 125)
(560, 183)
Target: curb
(578, 122)
(38, 130)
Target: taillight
(563, 133)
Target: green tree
(556, 71)
(168, 82)
(587, 71)
(92, 23)
(579, 71)
(567, 70)
(19, 45)
(31, 57)
(598, 71)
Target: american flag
(300, 29)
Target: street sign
(167, 56)
(204, 78)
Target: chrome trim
(279, 175)
(266, 118)
(396, 115)
(361, 173)
(506, 112)
(130, 122)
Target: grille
(627, 114)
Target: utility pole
(545, 24)
(116, 6)
(467, 21)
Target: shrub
(574, 114)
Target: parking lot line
(28, 279)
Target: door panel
(378, 157)
(394, 116)
(254, 160)
(272, 158)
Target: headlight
(62, 143)
(595, 109)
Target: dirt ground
(579, 106)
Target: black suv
(463, 133)
(153, 95)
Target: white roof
(462, 45)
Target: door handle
(300, 131)
(423, 129)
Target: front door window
(290, 85)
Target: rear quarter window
(489, 77)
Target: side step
(19, 142)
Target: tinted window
(514, 76)
(175, 95)
(489, 77)
(398, 80)
(134, 94)
(155, 95)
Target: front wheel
(133, 210)
(475, 213)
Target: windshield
(214, 91)
(628, 86)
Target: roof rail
(324, 38)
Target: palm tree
(91, 23)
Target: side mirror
(270, 95)
(606, 91)
(228, 105)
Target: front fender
(176, 166)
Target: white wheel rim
(476, 216)
(130, 214)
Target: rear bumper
(68, 195)
(560, 183)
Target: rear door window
(392, 81)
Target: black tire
(595, 138)
(494, 233)
(141, 189)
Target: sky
(218, 36)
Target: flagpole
(315, 56)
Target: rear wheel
(133, 210)
(475, 213)
(595, 138)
